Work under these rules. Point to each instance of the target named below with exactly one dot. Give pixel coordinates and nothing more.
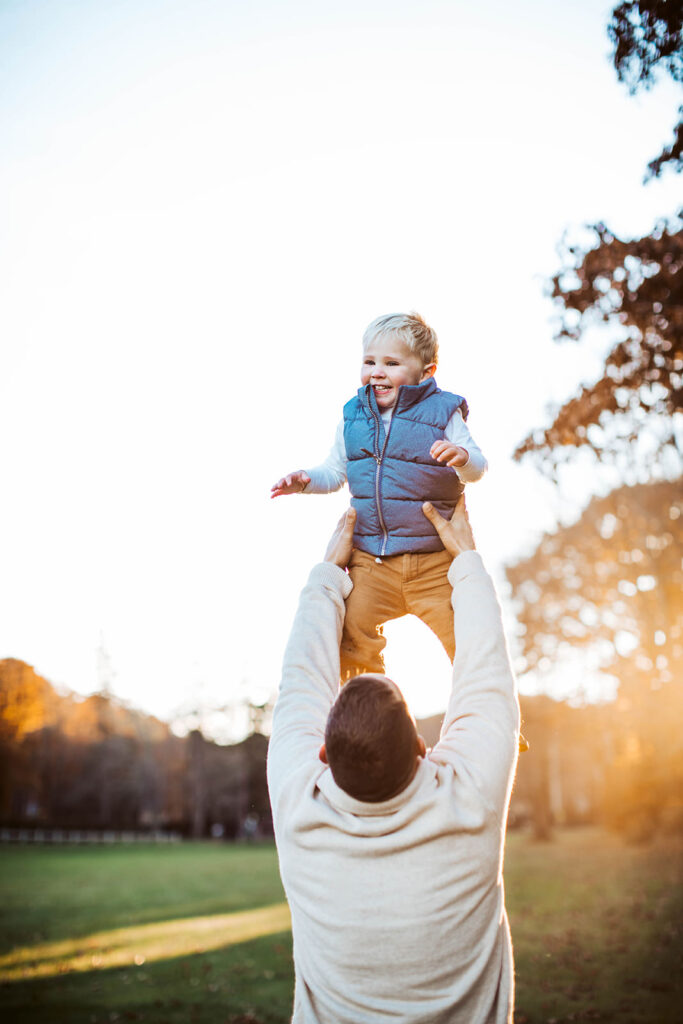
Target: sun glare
(139, 944)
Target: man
(391, 857)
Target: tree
(612, 581)
(647, 36)
(636, 285)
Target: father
(392, 857)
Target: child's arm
(329, 476)
(460, 451)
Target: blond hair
(420, 338)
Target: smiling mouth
(381, 387)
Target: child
(402, 441)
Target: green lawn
(199, 933)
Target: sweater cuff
(467, 563)
(329, 574)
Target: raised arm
(481, 727)
(329, 476)
(310, 671)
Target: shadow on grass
(50, 894)
(142, 943)
(595, 925)
(244, 983)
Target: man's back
(397, 907)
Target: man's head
(371, 743)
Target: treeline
(92, 763)
(618, 764)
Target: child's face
(387, 364)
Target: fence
(81, 836)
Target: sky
(203, 205)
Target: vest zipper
(378, 456)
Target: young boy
(402, 441)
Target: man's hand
(456, 532)
(294, 483)
(341, 542)
(452, 454)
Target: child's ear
(428, 371)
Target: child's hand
(452, 454)
(293, 483)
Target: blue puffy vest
(391, 473)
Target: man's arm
(481, 726)
(310, 671)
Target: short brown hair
(371, 739)
(420, 338)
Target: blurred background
(205, 204)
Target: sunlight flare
(143, 943)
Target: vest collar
(408, 395)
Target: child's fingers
(290, 484)
(281, 487)
(445, 451)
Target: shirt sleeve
(310, 675)
(457, 432)
(330, 475)
(480, 732)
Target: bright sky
(204, 204)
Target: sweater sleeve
(481, 726)
(330, 475)
(310, 675)
(458, 432)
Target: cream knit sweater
(398, 909)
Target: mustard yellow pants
(399, 585)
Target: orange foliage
(27, 702)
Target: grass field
(200, 933)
